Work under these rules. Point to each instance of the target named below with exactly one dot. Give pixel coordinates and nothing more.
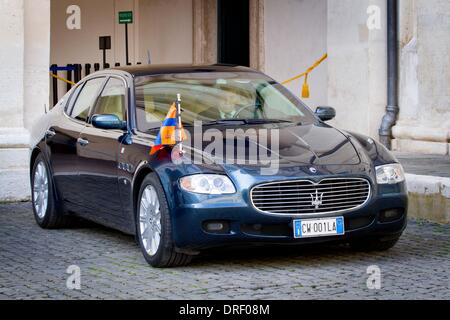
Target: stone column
(257, 43)
(36, 60)
(24, 87)
(14, 138)
(424, 121)
(204, 48)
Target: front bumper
(249, 226)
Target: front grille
(307, 197)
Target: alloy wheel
(40, 190)
(150, 220)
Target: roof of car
(153, 69)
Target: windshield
(216, 96)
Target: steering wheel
(256, 107)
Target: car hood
(298, 145)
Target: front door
(62, 140)
(98, 153)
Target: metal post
(54, 84)
(77, 73)
(126, 44)
(392, 108)
(87, 69)
(69, 76)
(178, 130)
(96, 66)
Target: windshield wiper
(258, 121)
(232, 122)
(244, 121)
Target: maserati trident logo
(316, 199)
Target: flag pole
(178, 135)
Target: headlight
(390, 174)
(207, 184)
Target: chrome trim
(287, 214)
(50, 133)
(82, 142)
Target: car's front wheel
(43, 197)
(154, 228)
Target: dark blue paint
(349, 154)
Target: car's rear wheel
(43, 197)
(373, 244)
(154, 228)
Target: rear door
(62, 139)
(97, 156)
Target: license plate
(307, 228)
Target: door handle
(82, 142)
(50, 133)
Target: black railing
(73, 74)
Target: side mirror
(108, 121)
(325, 113)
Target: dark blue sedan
(256, 165)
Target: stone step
(429, 197)
(15, 185)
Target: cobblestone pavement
(33, 265)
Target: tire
(152, 215)
(43, 197)
(367, 245)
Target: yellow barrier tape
(307, 71)
(62, 79)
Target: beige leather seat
(112, 105)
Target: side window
(86, 99)
(112, 99)
(73, 93)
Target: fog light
(391, 215)
(216, 226)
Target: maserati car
(93, 157)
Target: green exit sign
(125, 17)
